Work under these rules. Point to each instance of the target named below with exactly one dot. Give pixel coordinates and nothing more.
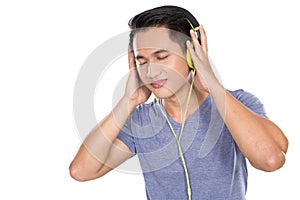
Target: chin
(162, 93)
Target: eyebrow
(154, 53)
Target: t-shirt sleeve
(126, 136)
(250, 101)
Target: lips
(158, 84)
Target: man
(193, 139)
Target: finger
(196, 43)
(203, 39)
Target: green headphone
(188, 56)
(177, 138)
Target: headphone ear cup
(189, 60)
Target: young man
(193, 139)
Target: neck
(175, 105)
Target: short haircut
(172, 17)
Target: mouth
(158, 84)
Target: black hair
(171, 17)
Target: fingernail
(201, 26)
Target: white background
(43, 45)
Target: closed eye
(162, 57)
(141, 61)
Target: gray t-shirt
(217, 168)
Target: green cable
(189, 191)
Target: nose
(153, 70)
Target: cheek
(180, 68)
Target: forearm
(98, 145)
(259, 139)
(99, 141)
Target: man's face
(160, 61)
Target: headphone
(196, 30)
(193, 23)
(178, 137)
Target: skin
(161, 59)
(259, 139)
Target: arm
(101, 150)
(259, 139)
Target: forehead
(156, 38)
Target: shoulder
(144, 108)
(249, 100)
(241, 94)
(145, 112)
(244, 96)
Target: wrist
(216, 88)
(128, 103)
